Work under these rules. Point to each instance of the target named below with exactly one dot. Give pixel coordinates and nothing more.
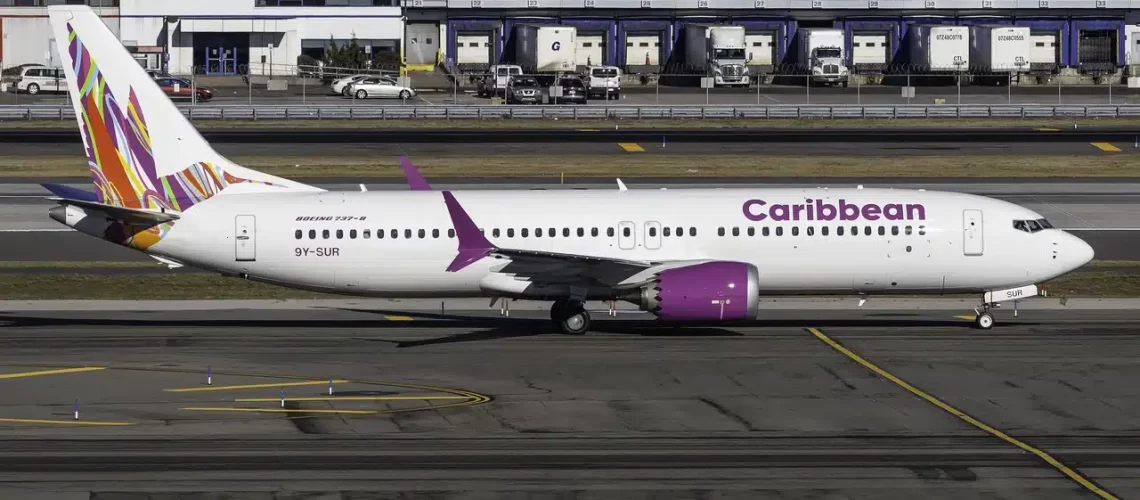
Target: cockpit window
(1032, 226)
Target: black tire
(361, 94)
(984, 321)
(33, 89)
(575, 320)
(404, 94)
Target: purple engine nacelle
(714, 291)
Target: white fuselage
(965, 243)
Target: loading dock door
(591, 50)
(1044, 51)
(473, 49)
(643, 50)
(245, 236)
(422, 43)
(972, 231)
(869, 49)
(761, 47)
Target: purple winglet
(416, 181)
(472, 244)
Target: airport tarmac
(806, 403)
(391, 152)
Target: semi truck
(822, 54)
(717, 52)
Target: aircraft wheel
(984, 321)
(571, 316)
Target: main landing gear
(984, 319)
(571, 316)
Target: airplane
(684, 255)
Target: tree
(348, 56)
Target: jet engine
(713, 291)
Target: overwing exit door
(245, 238)
(972, 243)
(627, 238)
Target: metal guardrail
(565, 112)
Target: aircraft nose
(1079, 252)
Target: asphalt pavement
(234, 400)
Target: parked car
(374, 86)
(603, 81)
(573, 91)
(523, 90)
(180, 88)
(340, 85)
(34, 79)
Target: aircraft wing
(549, 268)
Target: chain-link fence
(859, 84)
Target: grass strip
(1108, 283)
(649, 164)
(678, 123)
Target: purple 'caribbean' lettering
(813, 210)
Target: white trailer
(1001, 49)
(939, 49)
(545, 49)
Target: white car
(376, 86)
(340, 86)
(34, 79)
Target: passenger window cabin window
(352, 234)
(312, 234)
(908, 230)
(779, 230)
(421, 233)
(736, 231)
(839, 230)
(882, 230)
(653, 232)
(395, 233)
(823, 230)
(297, 234)
(921, 230)
(450, 233)
(680, 231)
(751, 231)
(565, 232)
(867, 230)
(610, 232)
(665, 231)
(692, 231)
(495, 232)
(367, 233)
(625, 232)
(581, 232)
(325, 234)
(795, 230)
(339, 234)
(538, 232)
(552, 232)
(894, 230)
(379, 234)
(764, 231)
(855, 231)
(510, 232)
(720, 231)
(594, 232)
(811, 231)
(524, 232)
(435, 233)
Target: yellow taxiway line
(399, 318)
(64, 422)
(352, 398)
(283, 410)
(253, 386)
(1105, 146)
(1056, 464)
(631, 147)
(60, 371)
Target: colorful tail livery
(142, 152)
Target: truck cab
(603, 81)
(827, 66)
(495, 83)
(727, 62)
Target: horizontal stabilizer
(133, 216)
(71, 193)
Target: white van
(36, 79)
(603, 81)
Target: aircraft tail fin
(142, 152)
